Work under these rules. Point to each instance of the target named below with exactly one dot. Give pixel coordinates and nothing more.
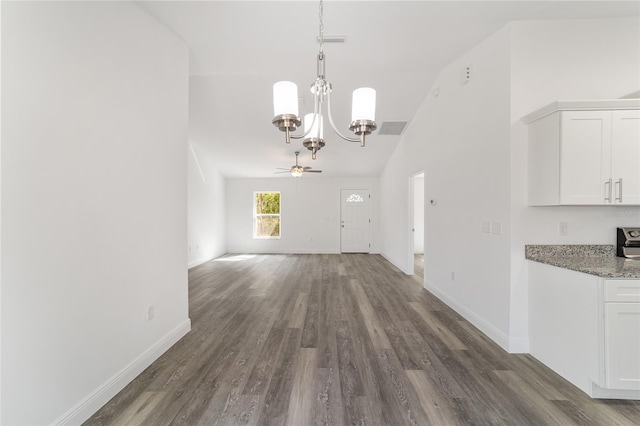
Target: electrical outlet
(563, 229)
(151, 312)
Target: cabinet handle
(619, 185)
(607, 191)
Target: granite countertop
(600, 260)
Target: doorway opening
(416, 223)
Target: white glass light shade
(296, 171)
(363, 106)
(285, 98)
(308, 119)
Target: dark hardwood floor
(340, 340)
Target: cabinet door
(622, 345)
(585, 157)
(625, 156)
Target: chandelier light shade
(313, 125)
(285, 98)
(363, 112)
(285, 107)
(363, 105)
(314, 131)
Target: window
(266, 215)
(355, 198)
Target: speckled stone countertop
(600, 260)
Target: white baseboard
(205, 259)
(311, 251)
(295, 251)
(199, 262)
(598, 392)
(480, 323)
(301, 251)
(100, 396)
(518, 345)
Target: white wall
(467, 172)
(563, 60)
(395, 182)
(0, 216)
(418, 215)
(94, 196)
(206, 210)
(310, 214)
(472, 144)
(461, 139)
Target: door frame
(349, 188)
(410, 229)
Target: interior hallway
(340, 340)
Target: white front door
(354, 220)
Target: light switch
(496, 228)
(486, 227)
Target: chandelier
(285, 107)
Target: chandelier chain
(321, 30)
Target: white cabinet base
(563, 322)
(622, 334)
(586, 329)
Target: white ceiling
(238, 49)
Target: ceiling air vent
(392, 128)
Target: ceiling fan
(298, 170)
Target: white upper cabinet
(585, 153)
(625, 156)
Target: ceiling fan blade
(282, 168)
(275, 173)
(307, 168)
(312, 171)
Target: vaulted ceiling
(238, 49)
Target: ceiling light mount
(285, 107)
(332, 38)
(287, 123)
(362, 128)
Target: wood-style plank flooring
(340, 340)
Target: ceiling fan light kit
(285, 107)
(297, 170)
